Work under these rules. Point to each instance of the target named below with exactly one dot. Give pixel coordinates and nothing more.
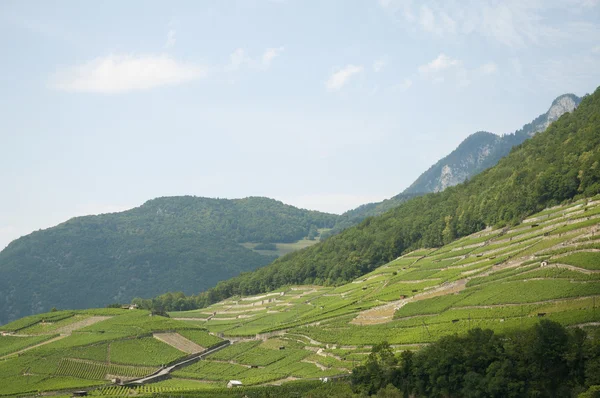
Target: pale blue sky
(322, 104)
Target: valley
(501, 279)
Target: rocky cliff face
(482, 150)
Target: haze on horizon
(324, 106)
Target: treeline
(560, 164)
(546, 360)
(185, 243)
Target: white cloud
(379, 64)
(123, 73)
(270, 54)
(441, 63)
(338, 79)
(171, 38)
(596, 50)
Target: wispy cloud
(171, 39)
(404, 85)
(339, 79)
(514, 23)
(440, 64)
(240, 58)
(124, 73)
(444, 67)
(270, 54)
(379, 64)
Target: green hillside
(179, 243)
(503, 279)
(558, 164)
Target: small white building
(234, 383)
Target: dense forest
(546, 360)
(554, 166)
(175, 243)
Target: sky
(325, 105)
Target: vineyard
(502, 279)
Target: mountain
(477, 152)
(174, 243)
(482, 150)
(521, 302)
(553, 166)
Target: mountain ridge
(473, 155)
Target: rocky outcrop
(482, 150)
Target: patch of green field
(146, 351)
(200, 337)
(282, 248)
(527, 291)
(587, 260)
(10, 344)
(33, 319)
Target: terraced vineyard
(545, 268)
(94, 347)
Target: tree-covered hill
(558, 164)
(477, 152)
(173, 243)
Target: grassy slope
(492, 279)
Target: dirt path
(68, 329)
(385, 313)
(178, 341)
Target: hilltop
(503, 279)
(184, 243)
(474, 154)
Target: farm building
(234, 383)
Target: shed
(234, 383)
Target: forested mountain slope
(175, 243)
(558, 164)
(482, 150)
(477, 152)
